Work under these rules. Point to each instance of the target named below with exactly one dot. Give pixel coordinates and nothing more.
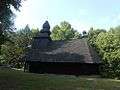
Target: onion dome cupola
(46, 28)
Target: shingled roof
(64, 51)
(45, 50)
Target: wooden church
(61, 57)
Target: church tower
(43, 38)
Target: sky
(81, 14)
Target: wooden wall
(64, 68)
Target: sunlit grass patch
(18, 80)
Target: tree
(6, 17)
(116, 30)
(77, 35)
(13, 52)
(56, 35)
(63, 32)
(92, 35)
(108, 46)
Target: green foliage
(64, 32)
(6, 13)
(77, 35)
(13, 52)
(7, 18)
(92, 34)
(108, 46)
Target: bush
(108, 46)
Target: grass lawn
(18, 80)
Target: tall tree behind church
(64, 31)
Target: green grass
(18, 80)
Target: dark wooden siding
(64, 68)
